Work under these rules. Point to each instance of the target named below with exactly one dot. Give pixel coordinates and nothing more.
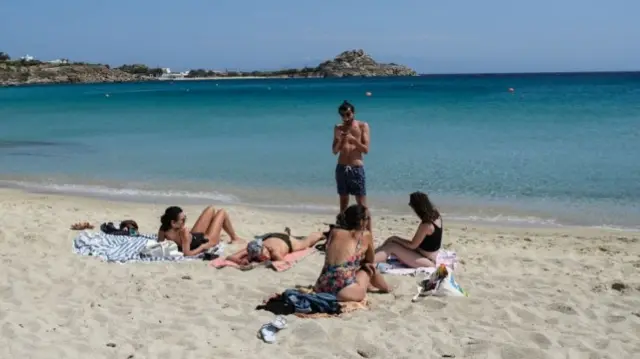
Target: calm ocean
(562, 149)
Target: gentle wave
(134, 194)
(507, 219)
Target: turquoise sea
(563, 149)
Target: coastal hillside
(352, 63)
(25, 72)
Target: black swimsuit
(283, 236)
(197, 239)
(433, 241)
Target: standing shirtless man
(351, 142)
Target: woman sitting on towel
(349, 262)
(422, 249)
(274, 247)
(204, 234)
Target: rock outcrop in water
(357, 63)
(22, 73)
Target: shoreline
(525, 213)
(329, 216)
(221, 78)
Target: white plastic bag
(161, 249)
(440, 283)
(449, 287)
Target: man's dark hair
(346, 106)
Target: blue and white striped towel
(112, 248)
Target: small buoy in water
(106, 95)
(512, 90)
(368, 93)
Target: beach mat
(117, 248)
(395, 267)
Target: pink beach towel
(279, 266)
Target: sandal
(268, 331)
(81, 226)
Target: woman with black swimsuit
(273, 246)
(204, 234)
(422, 249)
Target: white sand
(533, 294)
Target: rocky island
(353, 63)
(360, 64)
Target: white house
(27, 58)
(59, 61)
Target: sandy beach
(533, 293)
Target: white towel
(395, 267)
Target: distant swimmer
(512, 90)
(368, 93)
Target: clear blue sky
(432, 36)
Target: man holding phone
(350, 143)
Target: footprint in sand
(541, 340)
(562, 308)
(612, 319)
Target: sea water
(561, 149)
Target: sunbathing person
(204, 234)
(422, 249)
(349, 267)
(274, 247)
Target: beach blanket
(395, 267)
(117, 248)
(279, 266)
(303, 302)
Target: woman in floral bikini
(349, 262)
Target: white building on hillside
(59, 61)
(27, 58)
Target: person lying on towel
(204, 234)
(349, 268)
(273, 247)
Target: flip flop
(81, 226)
(268, 331)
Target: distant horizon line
(531, 73)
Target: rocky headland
(14, 73)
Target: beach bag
(161, 249)
(127, 227)
(440, 283)
(449, 287)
